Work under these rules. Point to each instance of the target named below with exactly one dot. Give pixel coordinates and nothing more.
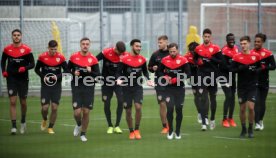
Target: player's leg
(138, 101)
(85, 122)
(228, 94)
(179, 102)
(107, 93)
(263, 96)
(232, 106)
(204, 103)
(45, 102)
(257, 109)
(170, 109)
(23, 87)
(128, 97)
(12, 92)
(119, 95)
(162, 110)
(242, 102)
(77, 105)
(197, 103)
(55, 97)
(251, 99)
(213, 104)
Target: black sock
(51, 125)
(23, 118)
(79, 123)
(250, 126)
(13, 123)
(44, 118)
(243, 126)
(82, 134)
(130, 130)
(164, 125)
(137, 127)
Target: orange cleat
(137, 134)
(165, 130)
(225, 123)
(232, 122)
(131, 135)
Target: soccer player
(267, 63)
(153, 65)
(16, 60)
(111, 58)
(49, 68)
(228, 87)
(84, 67)
(172, 69)
(208, 57)
(129, 75)
(246, 65)
(193, 79)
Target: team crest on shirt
(253, 58)
(45, 58)
(110, 54)
(263, 54)
(178, 61)
(211, 50)
(58, 59)
(89, 60)
(140, 60)
(22, 51)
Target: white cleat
(257, 127)
(199, 120)
(13, 131)
(177, 136)
(76, 130)
(83, 138)
(23, 128)
(204, 127)
(206, 121)
(212, 125)
(170, 136)
(261, 123)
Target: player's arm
(38, 69)
(145, 71)
(271, 63)
(187, 69)
(95, 70)
(71, 68)
(100, 56)
(64, 67)
(30, 60)
(152, 64)
(3, 62)
(236, 67)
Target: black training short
(107, 92)
(83, 96)
(132, 94)
(245, 95)
(17, 86)
(50, 94)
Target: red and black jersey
(176, 69)
(155, 60)
(246, 65)
(48, 64)
(17, 57)
(267, 62)
(134, 66)
(211, 57)
(228, 54)
(111, 61)
(79, 62)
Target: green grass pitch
(220, 143)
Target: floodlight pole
(101, 26)
(259, 15)
(180, 25)
(21, 15)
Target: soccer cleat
(199, 120)
(109, 130)
(204, 127)
(76, 130)
(170, 136)
(243, 133)
(206, 121)
(212, 125)
(83, 138)
(131, 135)
(51, 131)
(43, 125)
(13, 131)
(261, 123)
(137, 134)
(23, 128)
(118, 130)
(178, 136)
(225, 123)
(165, 130)
(257, 127)
(232, 122)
